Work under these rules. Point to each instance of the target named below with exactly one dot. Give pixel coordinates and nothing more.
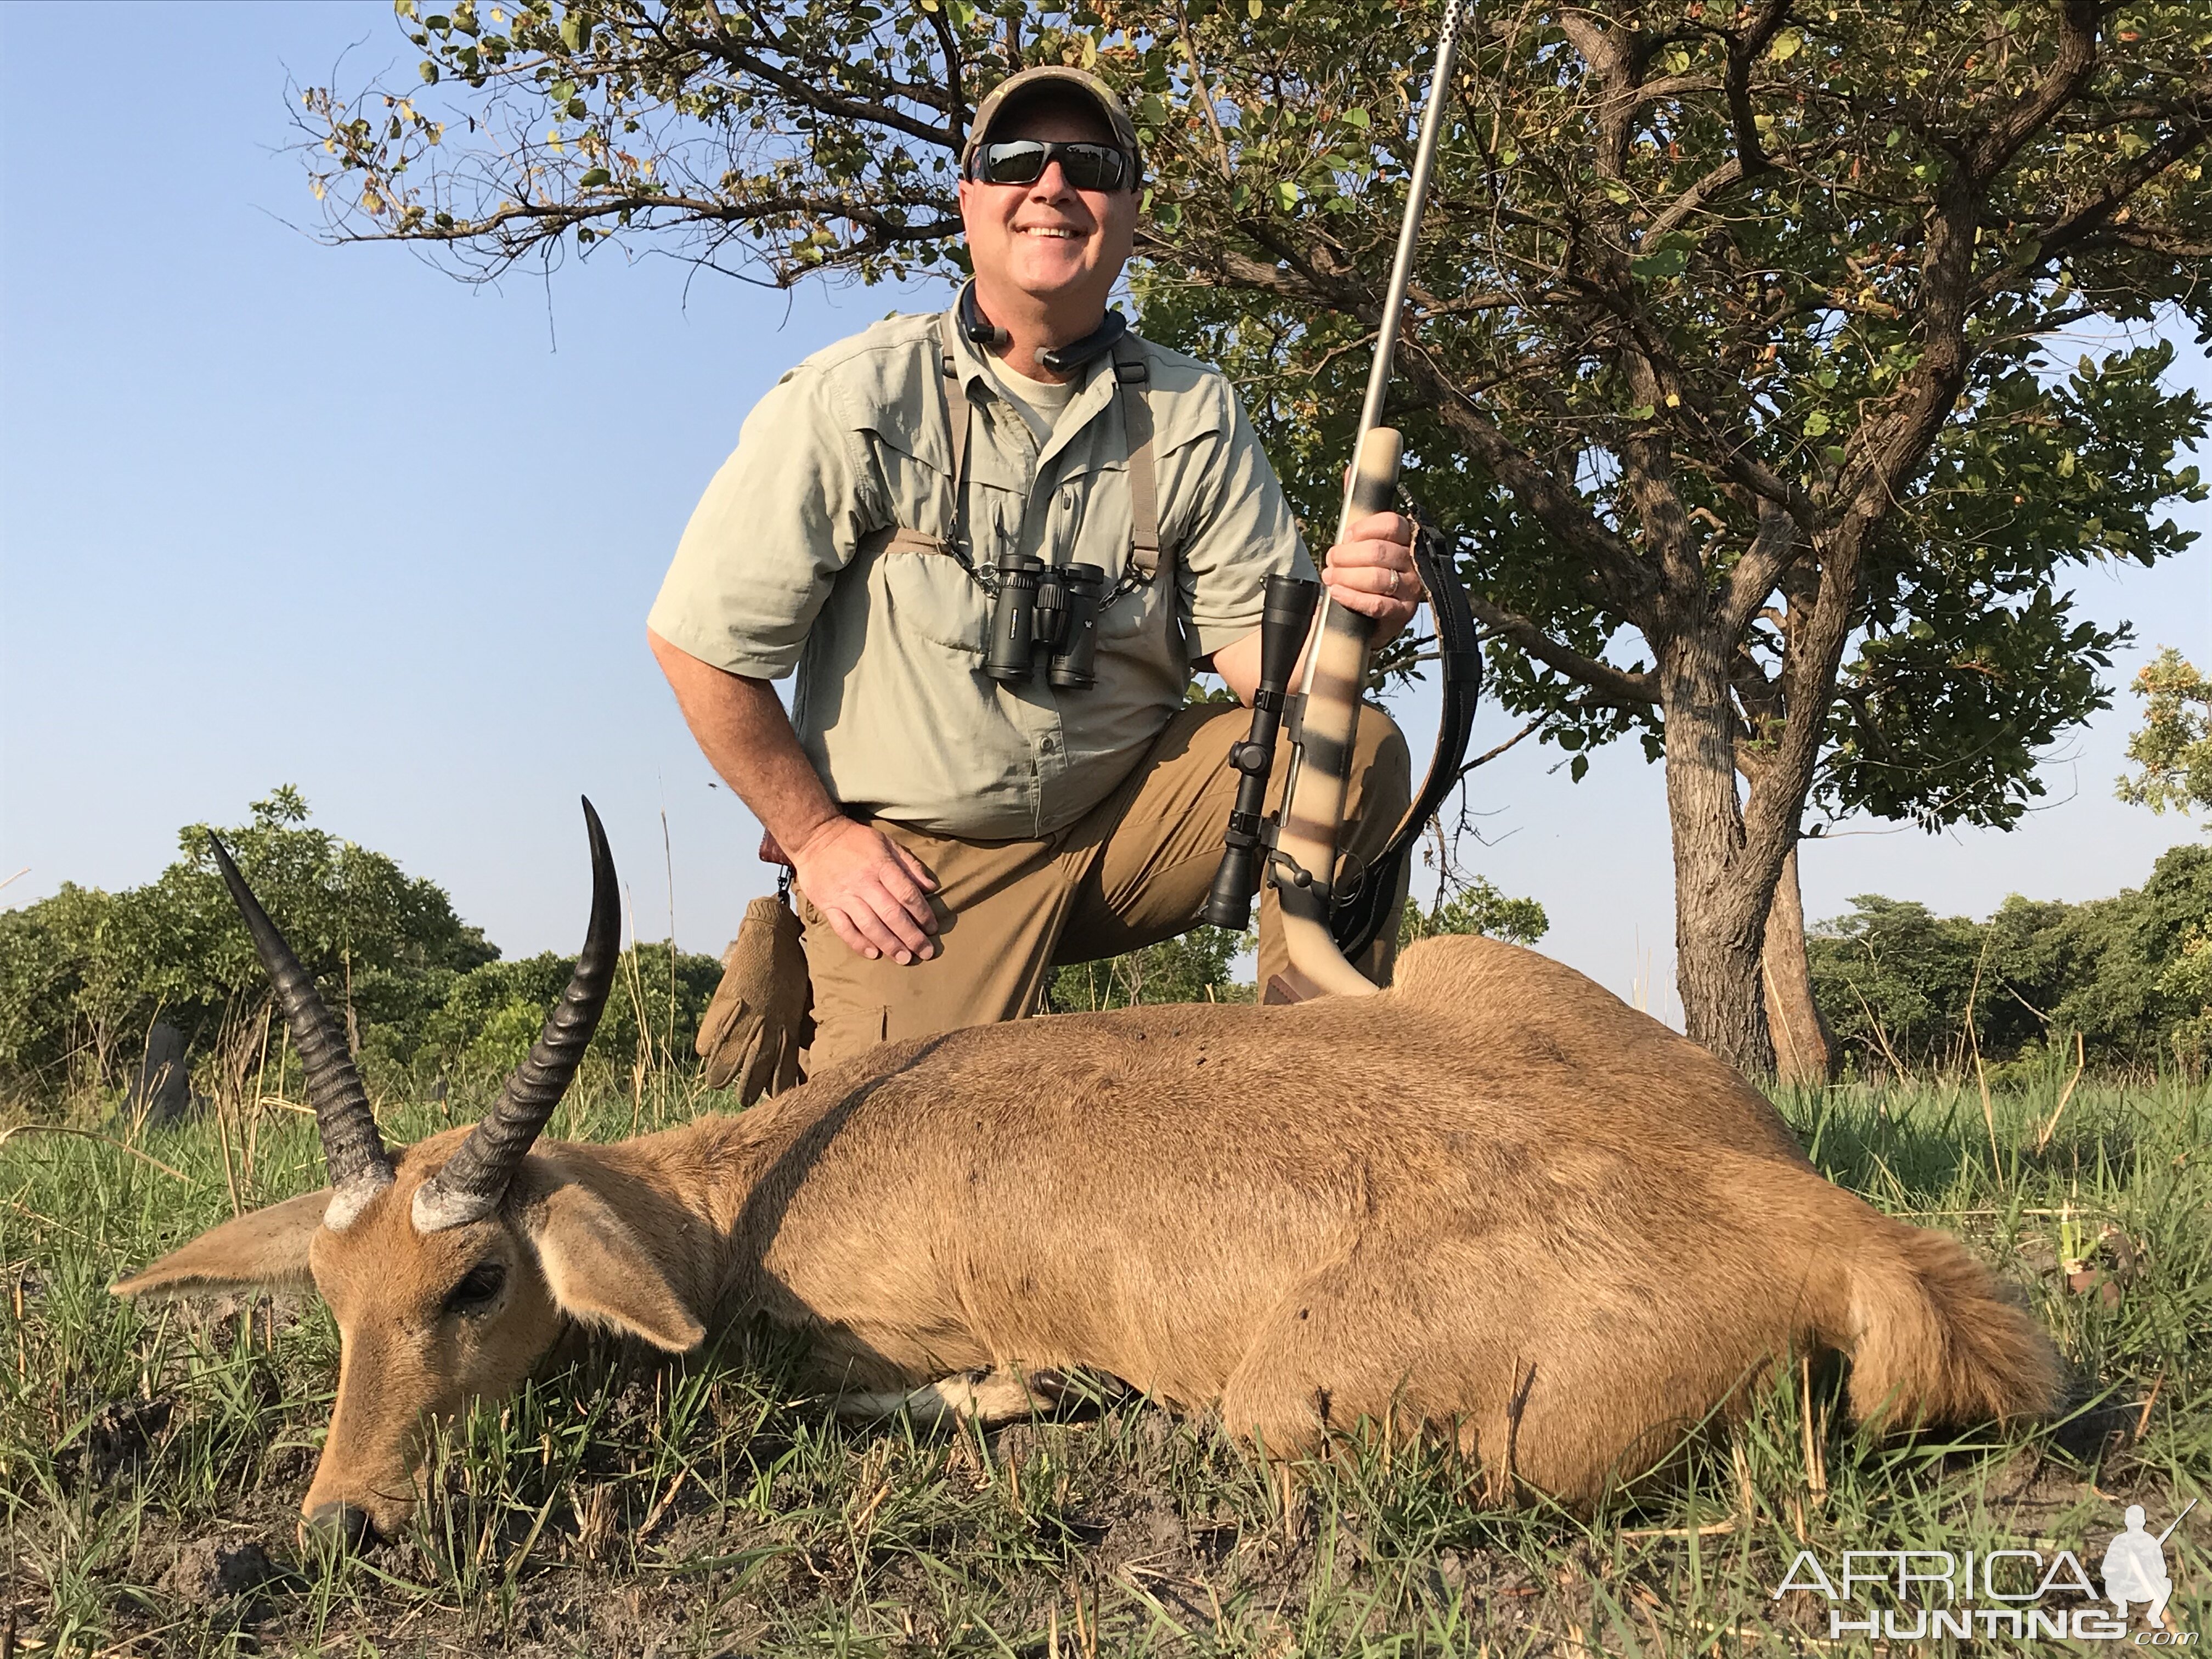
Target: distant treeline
(2122, 982)
(86, 975)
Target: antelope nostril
(349, 1526)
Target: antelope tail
(1932, 1339)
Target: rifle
(1321, 926)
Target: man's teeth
(1047, 230)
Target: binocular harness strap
(1132, 377)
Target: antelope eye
(477, 1287)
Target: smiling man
(966, 804)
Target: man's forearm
(741, 728)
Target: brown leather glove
(761, 1016)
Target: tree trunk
(1722, 885)
(1804, 1047)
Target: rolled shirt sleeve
(783, 516)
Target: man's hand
(874, 891)
(1372, 573)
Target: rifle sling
(1356, 918)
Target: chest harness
(1132, 377)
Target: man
(2135, 1569)
(954, 835)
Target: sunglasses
(1023, 161)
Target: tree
(1729, 356)
(1477, 907)
(84, 973)
(2173, 751)
(2129, 975)
(422, 994)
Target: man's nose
(1052, 184)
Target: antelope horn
(359, 1167)
(476, 1177)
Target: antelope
(1491, 1204)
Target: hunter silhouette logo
(2022, 1595)
(2135, 1567)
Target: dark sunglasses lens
(1017, 161)
(1091, 167)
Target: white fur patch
(435, 1210)
(347, 1201)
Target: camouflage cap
(1080, 82)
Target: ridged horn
(358, 1166)
(476, 1177)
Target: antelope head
(450, 1267)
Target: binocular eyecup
(1052, 609)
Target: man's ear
(599, 1273)
(264, 1249)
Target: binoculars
(1047, 608)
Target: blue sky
(274, 512)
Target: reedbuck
(1490, 1203)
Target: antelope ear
(599, 1273)
(261, 1249)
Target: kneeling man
(962, 811)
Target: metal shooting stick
(1336, 672)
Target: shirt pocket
(928, 596)
(921, 595)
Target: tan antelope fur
(1490, 1203)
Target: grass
(151, 1463)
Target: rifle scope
(1283, 628)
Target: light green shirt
(785, 567)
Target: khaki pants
(1133, 870)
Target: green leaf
(1578, 767)
(1357, 117)
(1816, 424)
(1287, 196)
(1787, 45)
(1642, 412)
(429, 72)
(594, 177)
(1667, 262)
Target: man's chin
(1051, 281)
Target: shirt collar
(1092, 397)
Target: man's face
(1060, 246)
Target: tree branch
(1775, 546)
(1615, 687)
(2069, 69)
(2110, 194)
